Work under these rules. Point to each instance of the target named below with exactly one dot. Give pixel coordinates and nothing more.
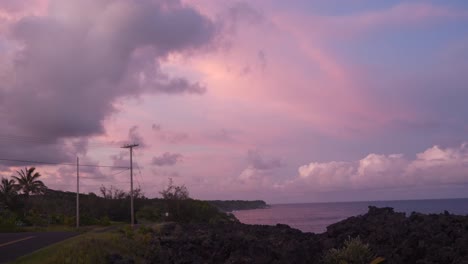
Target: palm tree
(8, 192)
(28, 182)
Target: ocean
(315, 217)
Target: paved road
(15, 245)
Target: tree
(174, 196)
(173, 192)
(28, 182)
(8, 192)
(114, 193)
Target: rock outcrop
(418, 238)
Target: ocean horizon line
(371, 201)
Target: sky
(284, 101)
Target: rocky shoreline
(418, 238)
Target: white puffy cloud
(435, 165)
(259, 170)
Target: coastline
(315, 217)
(395, 237)
(379, 235)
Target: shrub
(104, 221)
(36, 219)
(69, 220)
(8, 221)
(354, 251)
(150, 214)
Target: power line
(54, 141)
(119, 172)
(65, 164)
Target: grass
(95, 246)
(85, 248)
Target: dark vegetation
(229, 206)
(380, 236)
(26, 201)
(192, 231)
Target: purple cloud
(69, 68)
(256, 161)
(167, 159)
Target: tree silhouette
(174, 192)
(8, 192)
(28, 182)
(174, 196)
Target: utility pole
(131, 146)
(77, 192)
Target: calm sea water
(315, 217)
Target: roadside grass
(85, 248)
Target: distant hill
(232, 205)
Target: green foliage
(174, 192)
(8, 221)
(229, 206)
(127, 231)
(194, 211)
(69, 220)
(105, 221)
(150, 213)
(28, 182)
(8, 194)
(35, 219)
(354, 251)
(88, 220)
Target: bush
(69, 220)
(88, 220)
(36, 219)
(354, 251)
(150, 214)
(8, 221)
(104, 221)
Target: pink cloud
(433, 166)
(301, 80)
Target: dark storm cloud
(40, 150)
(70, 71)
(67, 68)
(167, 159)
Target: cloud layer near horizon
(434, 166)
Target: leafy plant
(354, 251)
(174, 192)
(8, 221)
(28, 182)
(8, 193)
